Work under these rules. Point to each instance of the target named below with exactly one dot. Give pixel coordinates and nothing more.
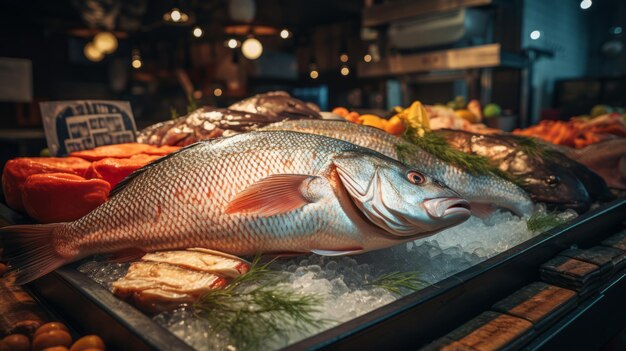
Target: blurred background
(536, 59)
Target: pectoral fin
(271, 196)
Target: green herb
(173, 113)
(192, 104)
(531, 146)
(534, 147)
(544, 221)
(254, 308)
(439, 147)
(396, 282)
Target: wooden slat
(493, 331)
(571, 273)
(454, 59)
(539, 303)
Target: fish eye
(552, 180)
(416, 177)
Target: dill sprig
(544, 221)
(536, 148)
(254, 308)
(439, 147)
(396, 282)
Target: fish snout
(448, 208)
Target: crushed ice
(342, 281)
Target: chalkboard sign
(85, 124)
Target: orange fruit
(373, 121)
(395, 126)
(341, 111)
(352, 117)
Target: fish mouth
(447, 207)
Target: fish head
(277, 105)
(557, 187)
(401, 200)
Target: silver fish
(485, 190)
(259, 192)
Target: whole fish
(481, 190)
(258, 192)
(202, 124)
(211, 122)
(548, 176)
(277, 105)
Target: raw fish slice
(155, 285)
(200, 261)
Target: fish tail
(29, 250)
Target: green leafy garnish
(396, 282)
(192, 104)
(532, 147)
(254, 308)
(544, 221)
(439, 147)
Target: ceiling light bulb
(367, 58)
(343, 57)
(92, 54)
(345, 71)
(175, 15)
(534, 35)
(105, 42)
(585, 4)
(197, 32)
(232, 43)
(136, 63)
(252, 48)
(284, 34)
(314, 74)
(217, 92)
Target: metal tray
(407, 323)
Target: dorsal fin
(121, 185)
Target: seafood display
(259, 192)
(163, 223)
(210, 122)
(578, 133)
(479, 189)
(548, 176)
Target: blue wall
(563, 27)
